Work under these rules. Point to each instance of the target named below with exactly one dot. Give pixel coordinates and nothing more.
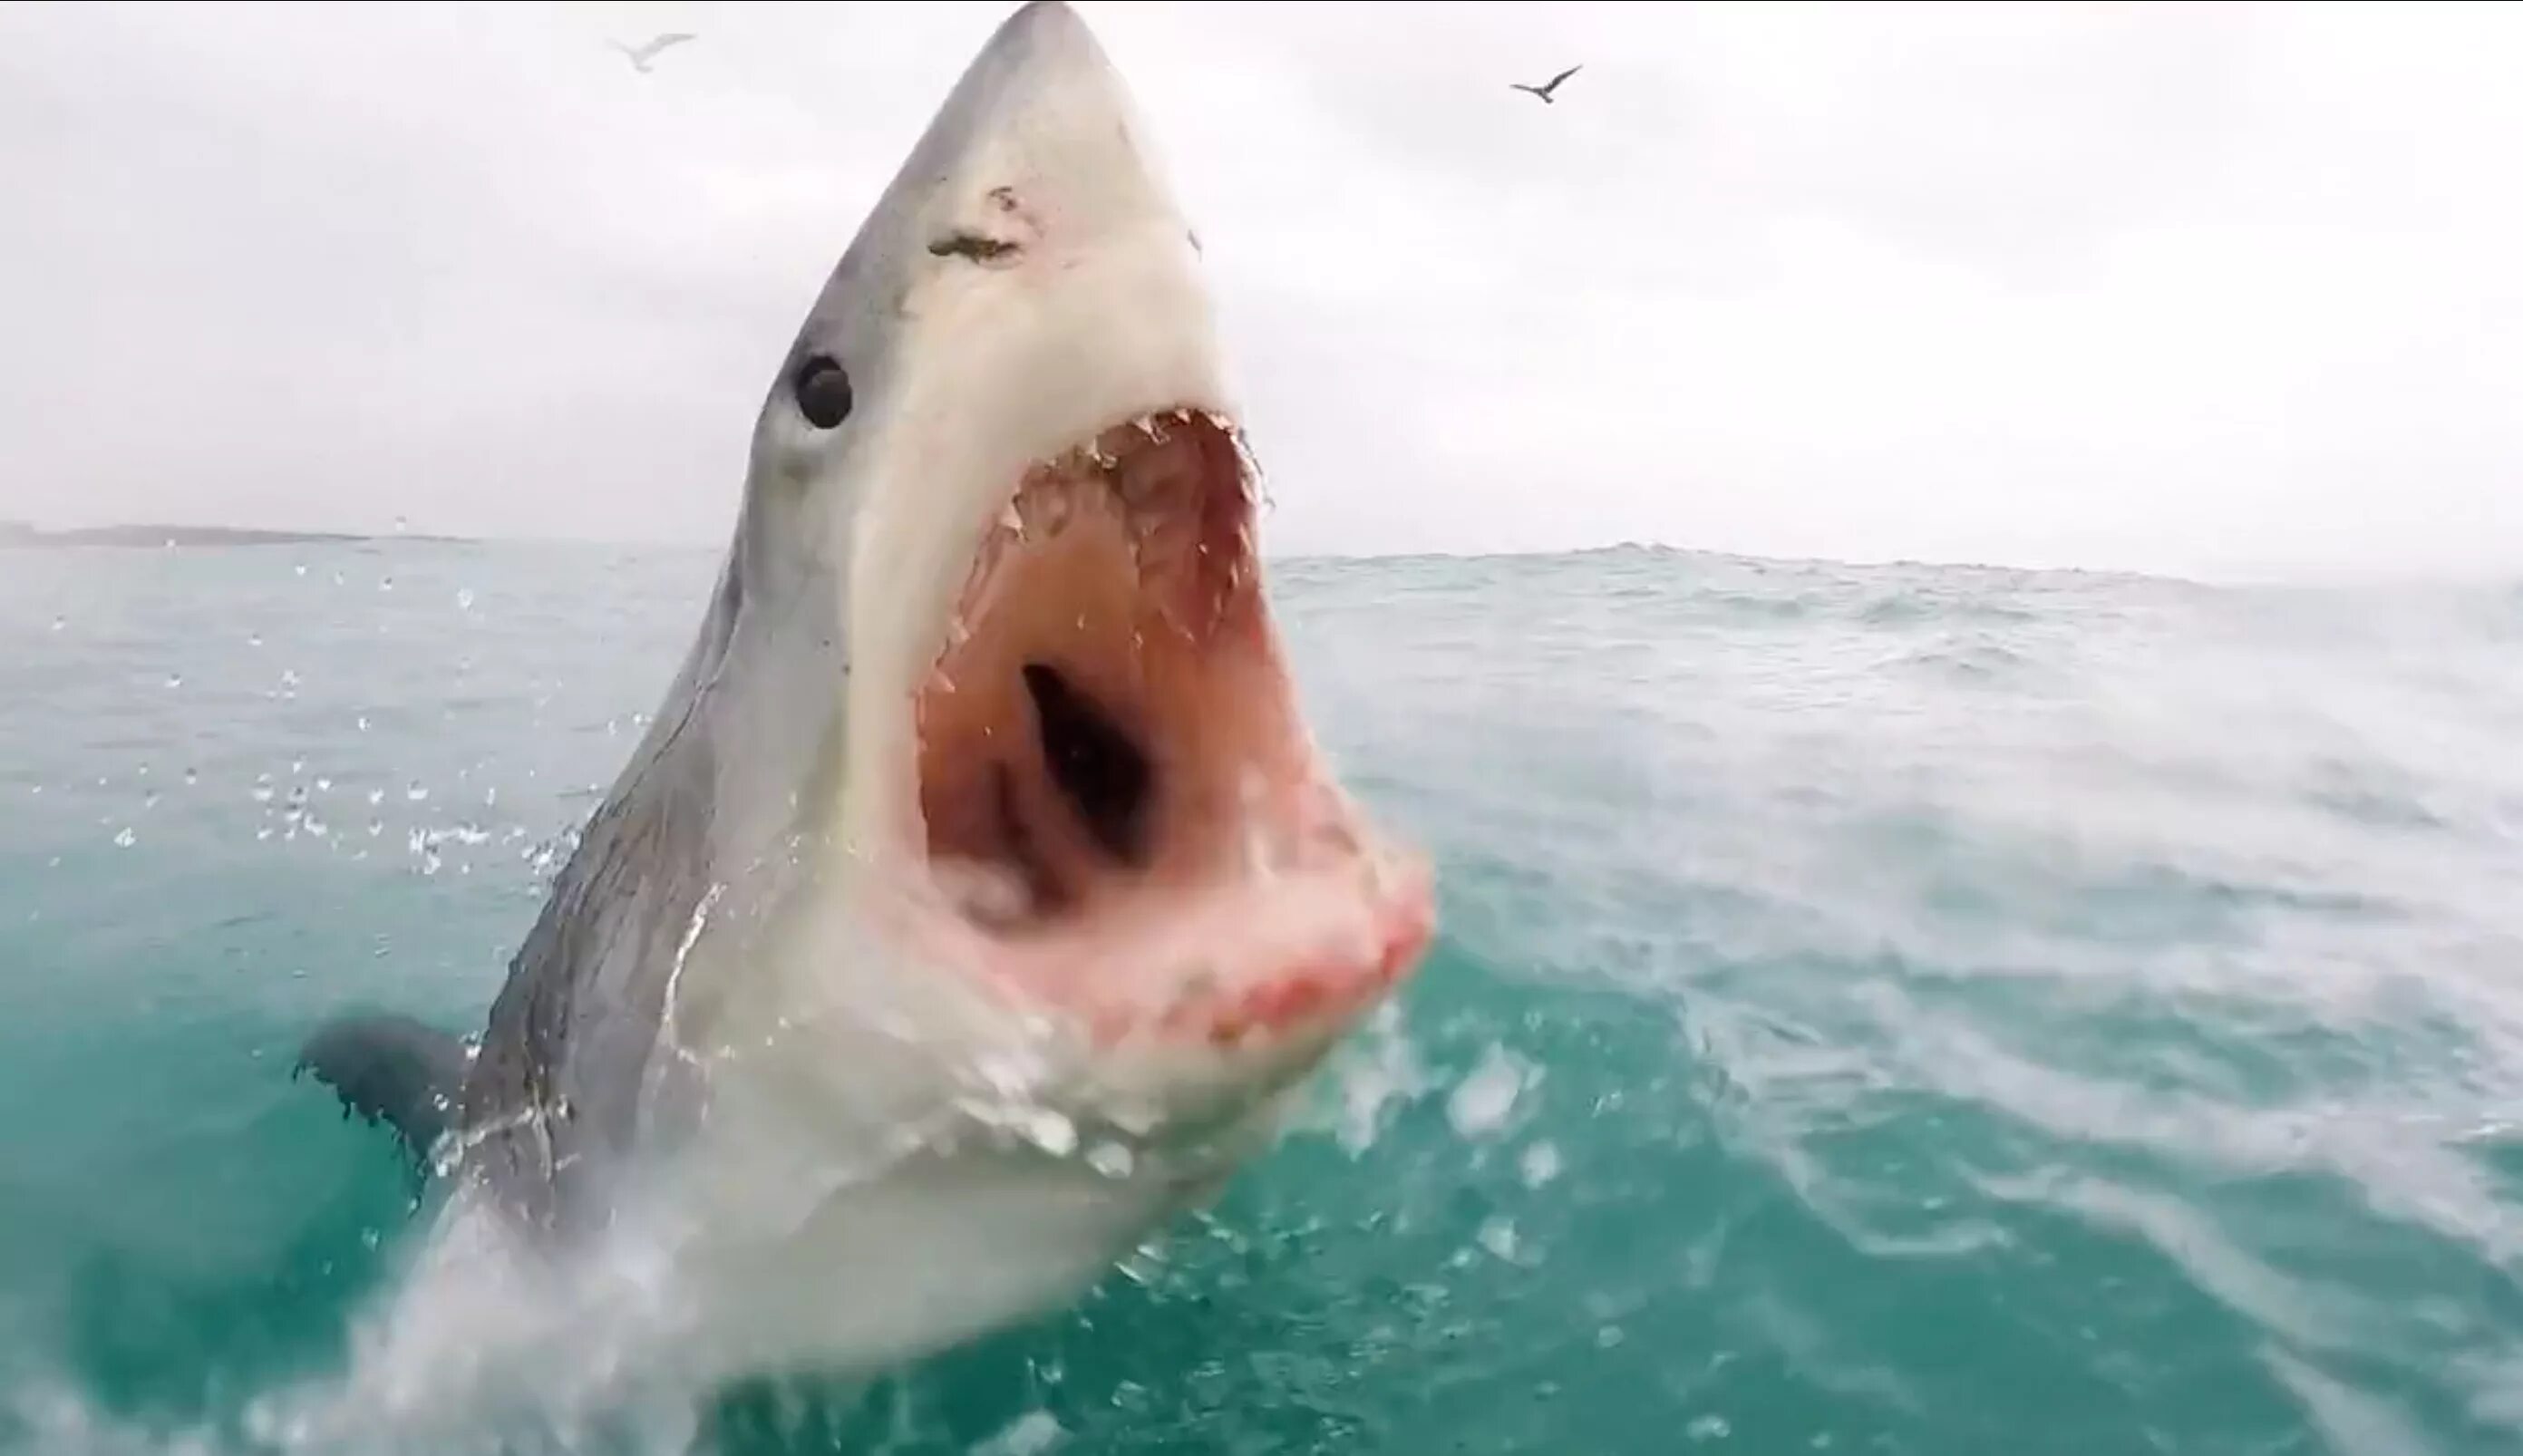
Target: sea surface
(1879, 1010)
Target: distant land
(19, 534)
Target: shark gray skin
(978, 896)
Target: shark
(978, 899)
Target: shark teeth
(1156, 478)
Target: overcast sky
(2201, 289)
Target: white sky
(2194, 288)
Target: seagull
(1544, 91)
(641, 58)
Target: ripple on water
(1879, 1008)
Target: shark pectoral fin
(392, 1070)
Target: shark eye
(823, 391)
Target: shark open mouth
(1121, 803)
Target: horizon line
(2265, 574)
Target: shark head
(999, 655)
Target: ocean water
(1885, 1010)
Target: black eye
(823, 392)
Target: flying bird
(1544, 91)
(640, 57)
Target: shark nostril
(1100, 771)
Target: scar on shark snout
(976, 247)
(981, 248)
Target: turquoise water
(1892, 1010)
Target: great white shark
(978, 896)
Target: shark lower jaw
(1126, 823)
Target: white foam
(1486, 1099)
